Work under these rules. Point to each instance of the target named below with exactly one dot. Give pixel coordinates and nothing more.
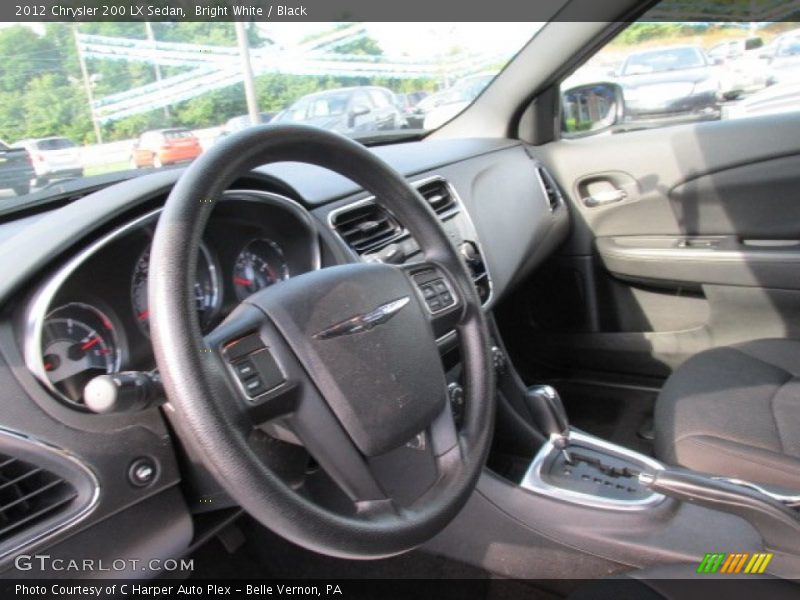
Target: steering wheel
(344, 358)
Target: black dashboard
(74, 304)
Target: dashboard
(74, 304)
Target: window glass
(671, 73)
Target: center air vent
(439, 196)
(366, 227)
(28, 495)
(550, 188)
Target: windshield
(658, 61)
(117, 91)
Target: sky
(414, 40)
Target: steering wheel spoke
(264, 376)
(329, 444)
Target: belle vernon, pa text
(135, 589)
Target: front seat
(735, 411)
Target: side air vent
(29, 495)
(366, 227)
(439, 196)
(550, 188)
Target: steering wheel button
(428, 292)
(254, 386)
(243, 346)
(446, 299)
(439, 286)
(244, 369)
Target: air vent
(28, 495)
(366, 227)
(550, 188)
(439, 196)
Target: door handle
(605, 197)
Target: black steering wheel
(345, 358)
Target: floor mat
(613, 413)
(266, 556)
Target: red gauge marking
(142, 316)
(242, 281)
(48, 366)
(90, 343)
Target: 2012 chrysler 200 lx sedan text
(531, 343)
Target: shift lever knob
(548, 410)
(550, 415)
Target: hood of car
(691, 76)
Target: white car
(53, 158)
(743, 66)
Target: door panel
(702, 249)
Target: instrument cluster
(95, 311)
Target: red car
(164, 147)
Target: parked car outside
(668, 82)
(16, 170)
(354, 110)
(161, 147)
(743, 68)
(53, 158)
(407, 103)
(784, 58)
(778, 98)
(241, 122)
(436, 110)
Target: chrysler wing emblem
(365, 322)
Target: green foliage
(644, 31)
(42, 93)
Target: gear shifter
(550, 416)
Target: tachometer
(78, 343)
(206, 289)
(259, 265)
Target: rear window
(54, 144)
(177, 134)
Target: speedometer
(259, 265)
(206, 289)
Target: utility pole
(247, 72)
(87, 86)
(148, 26)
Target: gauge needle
(48, 366)
(242, 281)
(90, 343)
(143, 315)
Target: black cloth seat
(735, 411)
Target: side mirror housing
(591, 108)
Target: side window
(664, 74)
